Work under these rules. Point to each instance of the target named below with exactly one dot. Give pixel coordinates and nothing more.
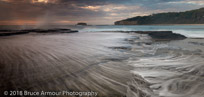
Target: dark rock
(161, 35)
(157, 35)
(148, 32)
(148, 43)
(117, 59)
(13, 33)
(73, 31)
(49, 30)
(166, 35)
(197, 43)
(6, 30)
(83, 24)
(18, 32)
(121, 48)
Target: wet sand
(64, 62)
(112, 64)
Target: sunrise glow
(40, 1)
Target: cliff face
(188, 17)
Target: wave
(171, 70)
(191, 31)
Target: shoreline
(114, 64)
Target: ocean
(101, 59)
(192, 31)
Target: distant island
(83, 24)
(187, 17)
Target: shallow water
(174, 69)
(111, 63)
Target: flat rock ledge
(166, 35)
(19, 32)
(159, 35)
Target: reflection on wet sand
(113, 64)
(71, 62)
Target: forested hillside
(188, 17)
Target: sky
(94, 12)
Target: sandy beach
(113, 64)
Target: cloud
(90, 11)
(93, 8)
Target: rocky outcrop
(51, 30)
(13, 33)
(19, 32)
(162, 35)
(166, 35)
(159, 35)
(82, 24)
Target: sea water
(193, 31)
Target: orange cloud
(18, 22)
(44, 1)
(30, 1)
